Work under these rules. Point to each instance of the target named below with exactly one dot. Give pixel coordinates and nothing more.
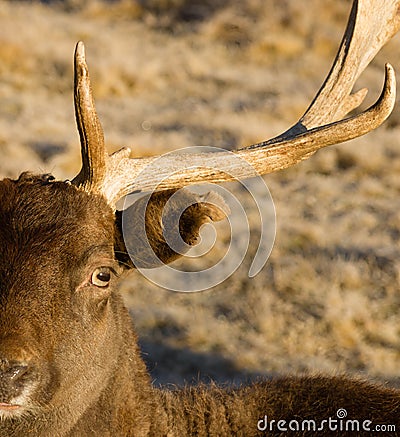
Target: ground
(169, 74)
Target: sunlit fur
(85, 373)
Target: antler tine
(93, 150)
(179, 170)
(371, 24)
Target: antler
(371, 24)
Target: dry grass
(169, 74)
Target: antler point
(80, 49)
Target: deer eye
(101, 277)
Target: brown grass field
(175, 73)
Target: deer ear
(159, 228)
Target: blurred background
(168, 74)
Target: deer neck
(127, 405)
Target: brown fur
(178, 214)
(79, 349)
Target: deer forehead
(50, 226)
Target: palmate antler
(371, 24)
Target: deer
(70, 363)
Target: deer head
(64, 333)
